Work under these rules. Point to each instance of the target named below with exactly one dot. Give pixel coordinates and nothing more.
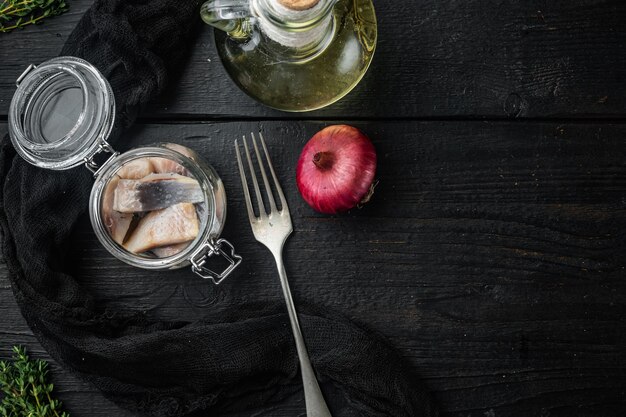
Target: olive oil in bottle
(295, 55)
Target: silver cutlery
(272, 228)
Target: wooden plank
(435, 59)
(492, 257)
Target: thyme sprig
(23, 384)
(15, 14)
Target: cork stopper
(299, 5)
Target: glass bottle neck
(306, 31)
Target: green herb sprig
(15, 14)
(25, 390)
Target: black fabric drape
(232, 359)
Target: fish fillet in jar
(164, 165)
(155, 192)
(136, 169)
(170, 226)
(171, 250)
(116, 223)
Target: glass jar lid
(61, 114)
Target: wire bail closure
(24, 74)
(103, 147)
(210, 249)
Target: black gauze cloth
(233, 359)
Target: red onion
(336, 169)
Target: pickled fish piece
(170, 226)
(116, 223)
(171, 250)
(136, 169)
(164, 166)
(155, 192)
(182, 149)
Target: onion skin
(336, 169)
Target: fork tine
(268, 189)
(255, 183)
(244, 183)
(283, 201)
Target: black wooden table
(493, 255)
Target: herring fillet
(182, 150)
(164, 166)
(173, 225)
(142, 167)
(171, 250)
(135, 169)
(115, 222)
(155, 192)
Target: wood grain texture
(435, 59)
(492, 257)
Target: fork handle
(313, 398)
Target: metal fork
(272, 229)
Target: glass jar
(61, 116)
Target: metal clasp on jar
(92, 165)
(24, 74)
(212, 248)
